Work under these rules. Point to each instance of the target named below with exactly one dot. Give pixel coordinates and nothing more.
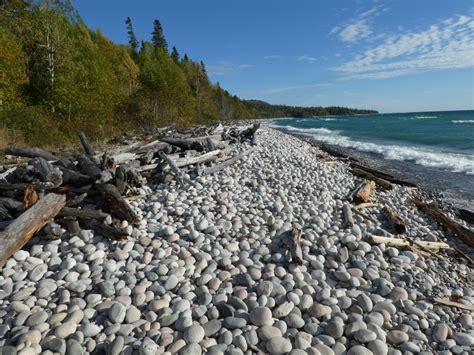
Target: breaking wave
(463, 121)
(458, 163)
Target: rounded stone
(66, 329)
(193, 334)
(261, 316)
(279, 345)
(397, 337)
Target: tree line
(57, 76)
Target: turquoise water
(440, 140)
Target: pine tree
(157, 36)
(185, 58)
(132, 39)
(175, 54)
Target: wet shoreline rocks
(208, 270)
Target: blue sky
(393, 56)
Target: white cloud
(271, 56)
(227, 68)
(357, 28)
(294, 88)
(307, 59)
(445, 45)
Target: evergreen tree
(157, 36)
(132, 39)
(175, 55)
(185, 58)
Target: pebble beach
(208, 271)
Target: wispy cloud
(307, 59)
(271, 56)
(445, 45)
(294, 88)
(357, 28)
(227, 68)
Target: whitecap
(462, 121)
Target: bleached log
(225, 164)
(361, 206)
(203, 158)
(457, 229)
(396, 222)
(348, 220)
(365, 192)
(122, 157)
(20, 231)
(450, 303)
(155, 145)
(399, 242)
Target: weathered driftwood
(225, 164)
(383, 175)
(103, 229)
(76, 200)
(203, 158)
(187, 143)
(86, 145)
(399, 242)
(361, 206)
(352, 194)
(82, 213)
(457, 229)
(20, 231)
(11, 204)
(362, 214)
(465, 215)
(5, 214)
(347, 212)
(152, 146)
(75, 178)
(31, 153)
(180, 177)
(122, 157)
(397, 223)
(450, 303)
(88, 166)
(365, 192)
(116, 203)
(47, 172)
(295, 244)
(384, 184)
(4, 175)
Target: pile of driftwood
(91, 189)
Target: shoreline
(214, 267)
(432, 180)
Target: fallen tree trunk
(365, 192)
(82, 213)
(295, 244)
(47, 172)
(384, 184)
(116, 203)
(458, 230)
(348, 220)
(20, 231)
(180, 177)
(75, 178)
(88, 166)
(399, 242)
(31, 153)
(225, 164)
(395, 221)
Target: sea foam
(463, 121)
(458, 163)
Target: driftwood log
(20, 231)
(383, 175)
(352, 194)
(47, 172)
(180, 177)
(103, 229)
(399, 242)
(225, 164)
(394, 220)
(116, 203)
(382, 183)
(457, 229)
(361, 206)
(86, 145)
(31, 153)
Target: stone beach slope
(208, 270)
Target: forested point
(57, 76)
